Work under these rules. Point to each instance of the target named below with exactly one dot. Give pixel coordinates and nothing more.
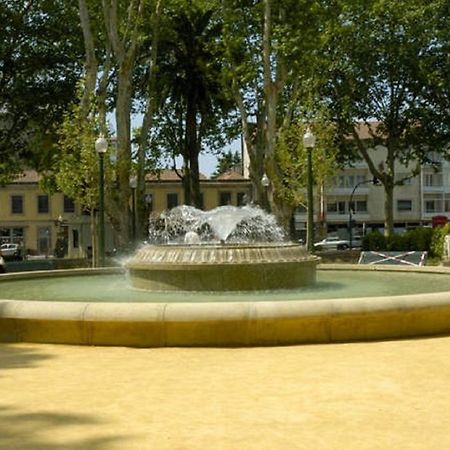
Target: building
(416, 202)
(46, 224)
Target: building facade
(352, 194)
(48, 225)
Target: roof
(27, 176)
(168, 175)
(231, 175)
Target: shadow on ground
(30, 431)
(15, 357)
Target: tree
(383, 79)
(122, 50)
(196, 105)
(226, 162)
(40, 64)
(270, 46)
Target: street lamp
(101, 145)
(375, 182)
(133, 186)
(309, 141)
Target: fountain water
(225, 249)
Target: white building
(416, 202)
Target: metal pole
(310, 224)
(133, 213)
(350, 219)
(101, 212)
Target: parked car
(11, 251)
(332, 243)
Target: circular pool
(348, 303)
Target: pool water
(330, 284)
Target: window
(404, 205)
(69, 205)
(42, 204)
(172, 200)
(336, 207)
(16, 204)
(224, 198)
(433, 179)
(11, 235)
(358, 206)
(43, 240)
(361, 206)
(430, 206)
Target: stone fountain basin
(216, 267)
(226, 324)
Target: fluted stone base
(222, 267)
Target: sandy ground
(382, 395)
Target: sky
(207, 161)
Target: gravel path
(379, 395)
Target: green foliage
(40, 64)
(373, 241)
(419, 239)
(291, 156)
(437, 242)
(75, 171)
(226, 162)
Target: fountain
(226, 278)
(226, 249)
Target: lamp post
(101, 145)
(265, 183)
(309, 141)
(133, 186)
(375, 182)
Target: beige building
(43, 223)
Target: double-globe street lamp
(101, 146)
(309, 141)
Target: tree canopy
(40, 66)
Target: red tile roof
(168, 175)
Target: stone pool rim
(225, 324)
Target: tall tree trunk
(389, 209)
(90, 62)
(147, 122)
(191, 148)
(122, 212)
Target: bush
(437, 241)
(419, 239)
(373, 241)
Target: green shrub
(397, 243)
(437, 241)
(419, 239)
(373, 241)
